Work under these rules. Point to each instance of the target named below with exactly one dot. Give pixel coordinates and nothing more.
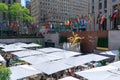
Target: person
(42, 78)
(7, 61)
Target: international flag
(67, 22)
(102, 19)
(52, 26)
(114, 15)
(98, 19)
(77, 20)
(71, 24)
(90, 21)
(47, 25)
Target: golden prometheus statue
(75, 38)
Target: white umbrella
(50, 50)
(2, 45)
(99, 73)
(65, 54)
(2, 59)
(11, 49)
(26, 53)
(81, 60)
(52, 67)
(116, 64)
(20, 44)
(32, 45)
(113, 77)
(22, 71)
(113, 53)
(69, 78)
(39, 58)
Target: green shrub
(4, 73)
(102, 42)
(62, 39)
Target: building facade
(58, 11)
(28, 5)
(102, 7)
(8, 2)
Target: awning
(22, 71)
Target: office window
(14, 1)
(100, 5)
(92, 1)
(92, 9)
(105, 11)
(3, 1)
(105, 3)
(9, 1)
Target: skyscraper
(102, 7)
(58, 10)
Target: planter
(102, 48)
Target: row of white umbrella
(17, 46)
(42, 61)
(109, 72)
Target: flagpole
(110, 21)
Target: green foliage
(119, 52)
(3, 7)
(102, 42)
(63, 39)
(37, 41)
(4, 73)
(20, 13)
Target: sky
(23, 2)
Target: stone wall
(52, 38)
(114, 39)
(25, 40)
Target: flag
(52, 26)
(47, 26)
(90, 19)
(77, 20)
(81, 22)
(114, 15)
(67, 22)
(72, 25)
(75, 24)
(85, 22)
(109, 16)
(102, 19)
(98, 19)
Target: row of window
(9, 1)
(100, 6)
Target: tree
(3, 7)
(20, 15)
(4, 73)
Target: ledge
(102, 48)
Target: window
(105, 3)
(100, 5)
(105, 11)
(14, 1)
(92, 9)
(93, 1)
(3, 1)
(9, 1)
